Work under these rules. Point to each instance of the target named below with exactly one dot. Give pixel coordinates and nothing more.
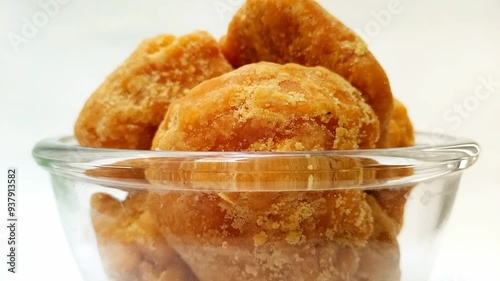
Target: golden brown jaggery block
(126, 110)
(266, 236)
(291, 217)
(401, 133)
(270, 107)
(379, 260)
(393, 202)
(302, 32)
(391, 199)
(130, 243)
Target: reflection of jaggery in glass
(303, 32)
(125, 111)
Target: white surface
(435, 53)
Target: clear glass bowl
(207, 216)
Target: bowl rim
(434, 156)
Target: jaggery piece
(270, 107)
(126, 110)
(266, 236)
(303, 32)
(291, 217)
(401, 132)
(393, 201)
(379, 260)
(130, 243)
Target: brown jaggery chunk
(291, 217)
(270, 107)
(130, 243)
(126, 110)
(401, 132)
(393, 202)
(266, 236)
(379, 260)
(303, 32)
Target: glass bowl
(211, 216)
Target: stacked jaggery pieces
(125, 112)
(401, 134)
(303, 32)
(230, 234)
(379, 260)
(304, 82)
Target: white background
(435, 53)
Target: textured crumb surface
(266, 236)
(130, 244)
(401, 132)
(301, 31)
(270, 107)
(125, 111)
